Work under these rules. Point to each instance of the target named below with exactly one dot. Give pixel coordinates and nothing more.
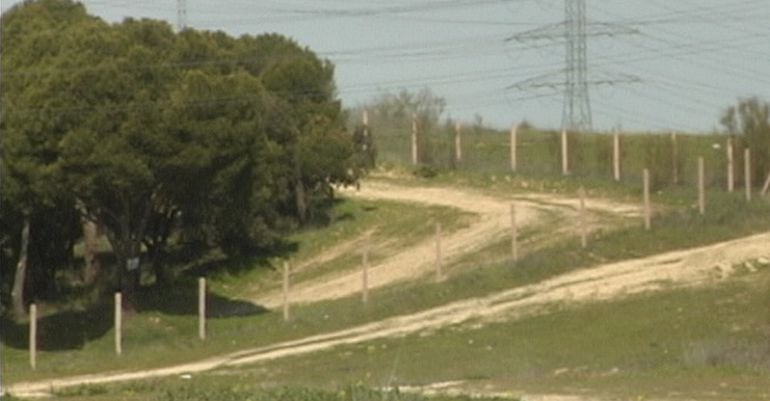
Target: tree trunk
(299, 189)
(19, 280)
(91, 240)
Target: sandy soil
(492, 223)
(691, 267)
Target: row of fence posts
(118, 322)
(616, 158)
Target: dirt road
(492, 223)
(698, 266)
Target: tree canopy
(146, 131)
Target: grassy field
(709, 343)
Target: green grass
(708, 342)
(209, 388)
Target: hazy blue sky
(694, 57)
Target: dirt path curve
(491, 224)
(690, 267)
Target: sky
(662, 65)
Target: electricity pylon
(574, 30)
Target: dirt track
(697, 266)
(492, 223)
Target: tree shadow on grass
(66, 330)
(181, 298)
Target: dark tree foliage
(228, 141)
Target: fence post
(118, 323)
(514, 144)
(202, 308)
(564, 153)
(365, 275)
(439, 267)
(730, 166)
(674, 158)
(458, 142)
(701, 186)
(286, 315)
(33, 336)
(747, 172)
(616, 156)
(647, 209)
(582, 219)
(415, 154)
(514, 235)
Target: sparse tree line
(152, 137)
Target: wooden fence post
(365, 275)
(730, 166)
(458, 142)
(582, 219)
(514, 144)
(564, 153)
(674, 158)
(415, 153)
(616, 156)
(202, 308)
(701, 186)
(439, 267)
(647, 208)
(747, 172)
(514, 235)
(286, 315)
(118, 323)
(33, 336)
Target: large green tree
(144, 131)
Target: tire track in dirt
(492, 223)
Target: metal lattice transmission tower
(576, 114)
(181, 15)
(574, 31)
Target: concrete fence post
(33, 336)
(415, 153)
(647, 207)
(286, 312)
(202, 308)
(514, 144)
(747, 172)
(616, 156)
(583, 221)
(701, 186)
(564, 153)
(118, 323)
(730, 166)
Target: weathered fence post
(439, 267)
(747, 172)
(286, 315)
(118, 323)
(415, 153)
(514, 235)
(616, 156)
(582, 219)
(730, 166)
(647, 208)
(202, 308)
(458, 142)
(674, 159)
(33, 336)
(564, 153)
(514, 161)
(365, 275)
(701, 186)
